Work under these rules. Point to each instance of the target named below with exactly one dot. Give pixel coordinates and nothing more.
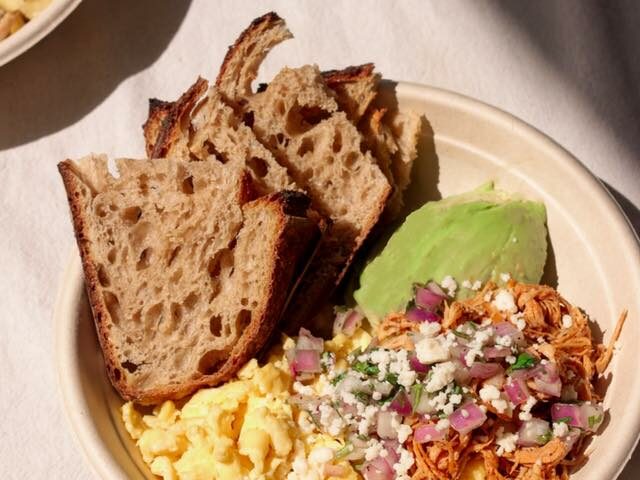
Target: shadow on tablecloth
(70, 72)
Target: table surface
(570, 68)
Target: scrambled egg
(246, 428)
(29, 8)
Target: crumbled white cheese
(430, 329)
(373, 450)
(525, 410)
(506, 442)
(466, 284)
(511, 359)
(560, 429)
(455, 399)
(567, 321)
(504, 341)
(505, 302)
(303, 389)
(505, 277)
(501, 405)
(442, 425)
(403, 433)
(518, 320)
(450, 285)
(488, 393)
(477, 285)
(432, 350)
(441, 375)
(376, 395)
(405, 462)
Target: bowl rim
(36, 29)
(83, 429)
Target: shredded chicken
(580, 361)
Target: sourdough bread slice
(203, 127)
(298, 119)
(182, 295)
(390, 134)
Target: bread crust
(158, 111)
(98, 308)
(171, 113)
(234, 79)
(349, 74)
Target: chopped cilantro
(366, 368)
(564, 420)
(594, 420)
(362, 396)
(524, 361)
(416, 395)
(456, 390)
(546, 438)
(392, 378)
(461, 334)
(338, 378)
(472, 325)
(344, 451)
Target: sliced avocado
(476, 235)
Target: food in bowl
(14, 14)
(244, 221)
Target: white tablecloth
(570, 68)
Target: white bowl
(597, 260)
(36, 29)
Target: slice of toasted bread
(297, 118)
(182, 295)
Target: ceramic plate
(36, 29)
(595, 260)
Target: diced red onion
(460, 352)
(331, 470)
(594, 415)
(531, 431)
(497, 381)
(428, 433)
(435, 288)
(401, 404)
(307, 361)
(416, 365)
(485, 370)
(383, 387)
(570, 413)
(516, 390)
(378, 469)
(419, 315)
(461, 373)
(424, 405)
(572, 437)
(428, 299)
(491, 353)
(466, 418)
(306, 341)
(347, 322)
(384, 429)
(547, 380)
(508, 329)
(391, 446)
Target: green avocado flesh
(477, 235)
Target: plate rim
(36, 29)
(104, 464)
